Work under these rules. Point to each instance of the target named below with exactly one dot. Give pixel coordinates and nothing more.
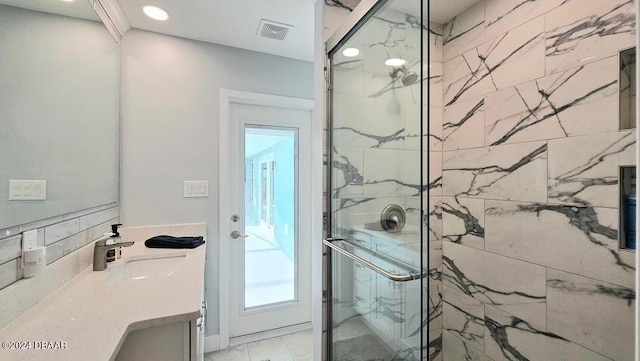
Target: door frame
(228, 97)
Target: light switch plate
(196, 189)
(27, 190)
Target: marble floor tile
(233, 353)
(300, 343)
(273, 349)
(305, 357)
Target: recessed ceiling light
(155, 12)
(350, 52)
(395, 62)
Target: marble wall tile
(433, 89)
(435, 306)
(386, 30)
(514, 172)
(584, 170)
(94, 219)
(54, 252)
(335, 13)
(463, 221)
(510, 338)
(434, 345)
(463, 125)
(464, 318)
(388, 171)
(435, 261)
(512, 58)
(436, 38)
(350, 213)
(9, 273)
(58, 231)
(457, 350)
(9, 232)
(581, 240)
(435, 175)
(571, 302)
(10, 248)
(41, 223)
(577, 101)
(464, 32)
(431, 127)
(511, 285)
(347, 169)
(587, 30)
(434, 218)
(368, 123)
(504, 15)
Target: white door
(270, 255)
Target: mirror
(59, 110)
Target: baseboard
(269, 334)
(211, 343)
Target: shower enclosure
(481, 197)
(378, 187)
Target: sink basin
(141, 269)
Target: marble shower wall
(532, 268)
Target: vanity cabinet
(182, 341)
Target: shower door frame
(364, 10)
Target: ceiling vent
(273, 30)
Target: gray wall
(59, 81)
(170, 110)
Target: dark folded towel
(165, 241)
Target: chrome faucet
(101, 248)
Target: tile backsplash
(61, 235)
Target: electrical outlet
(29, 240)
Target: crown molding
(112, 17)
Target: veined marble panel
(388, 171)
(436, 38)
(464, 32)
(464, 318)
(504, 15)
(571, 302)
(386, 30)
(463, 125)
(431, 126)
(577, 101)
(435, 175)
(380, 85)
(511, 285)
(435, 306)
(350, 213)
(510, 172)
(433, 95)
(368, 123)
(335, 13)
(347, 76)
(588, 30)
(433, 345)
(347, 164)
(512, 58)
(457, 350)
(463, 221)
(584, 170)
(509, 338)
(435, 260)
(434, 219)
(581, 240)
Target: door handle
(236, 235)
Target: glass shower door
(375, 225)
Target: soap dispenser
(115, 235)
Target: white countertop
(94, 317)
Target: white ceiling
(76, 9)
(231, 22)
